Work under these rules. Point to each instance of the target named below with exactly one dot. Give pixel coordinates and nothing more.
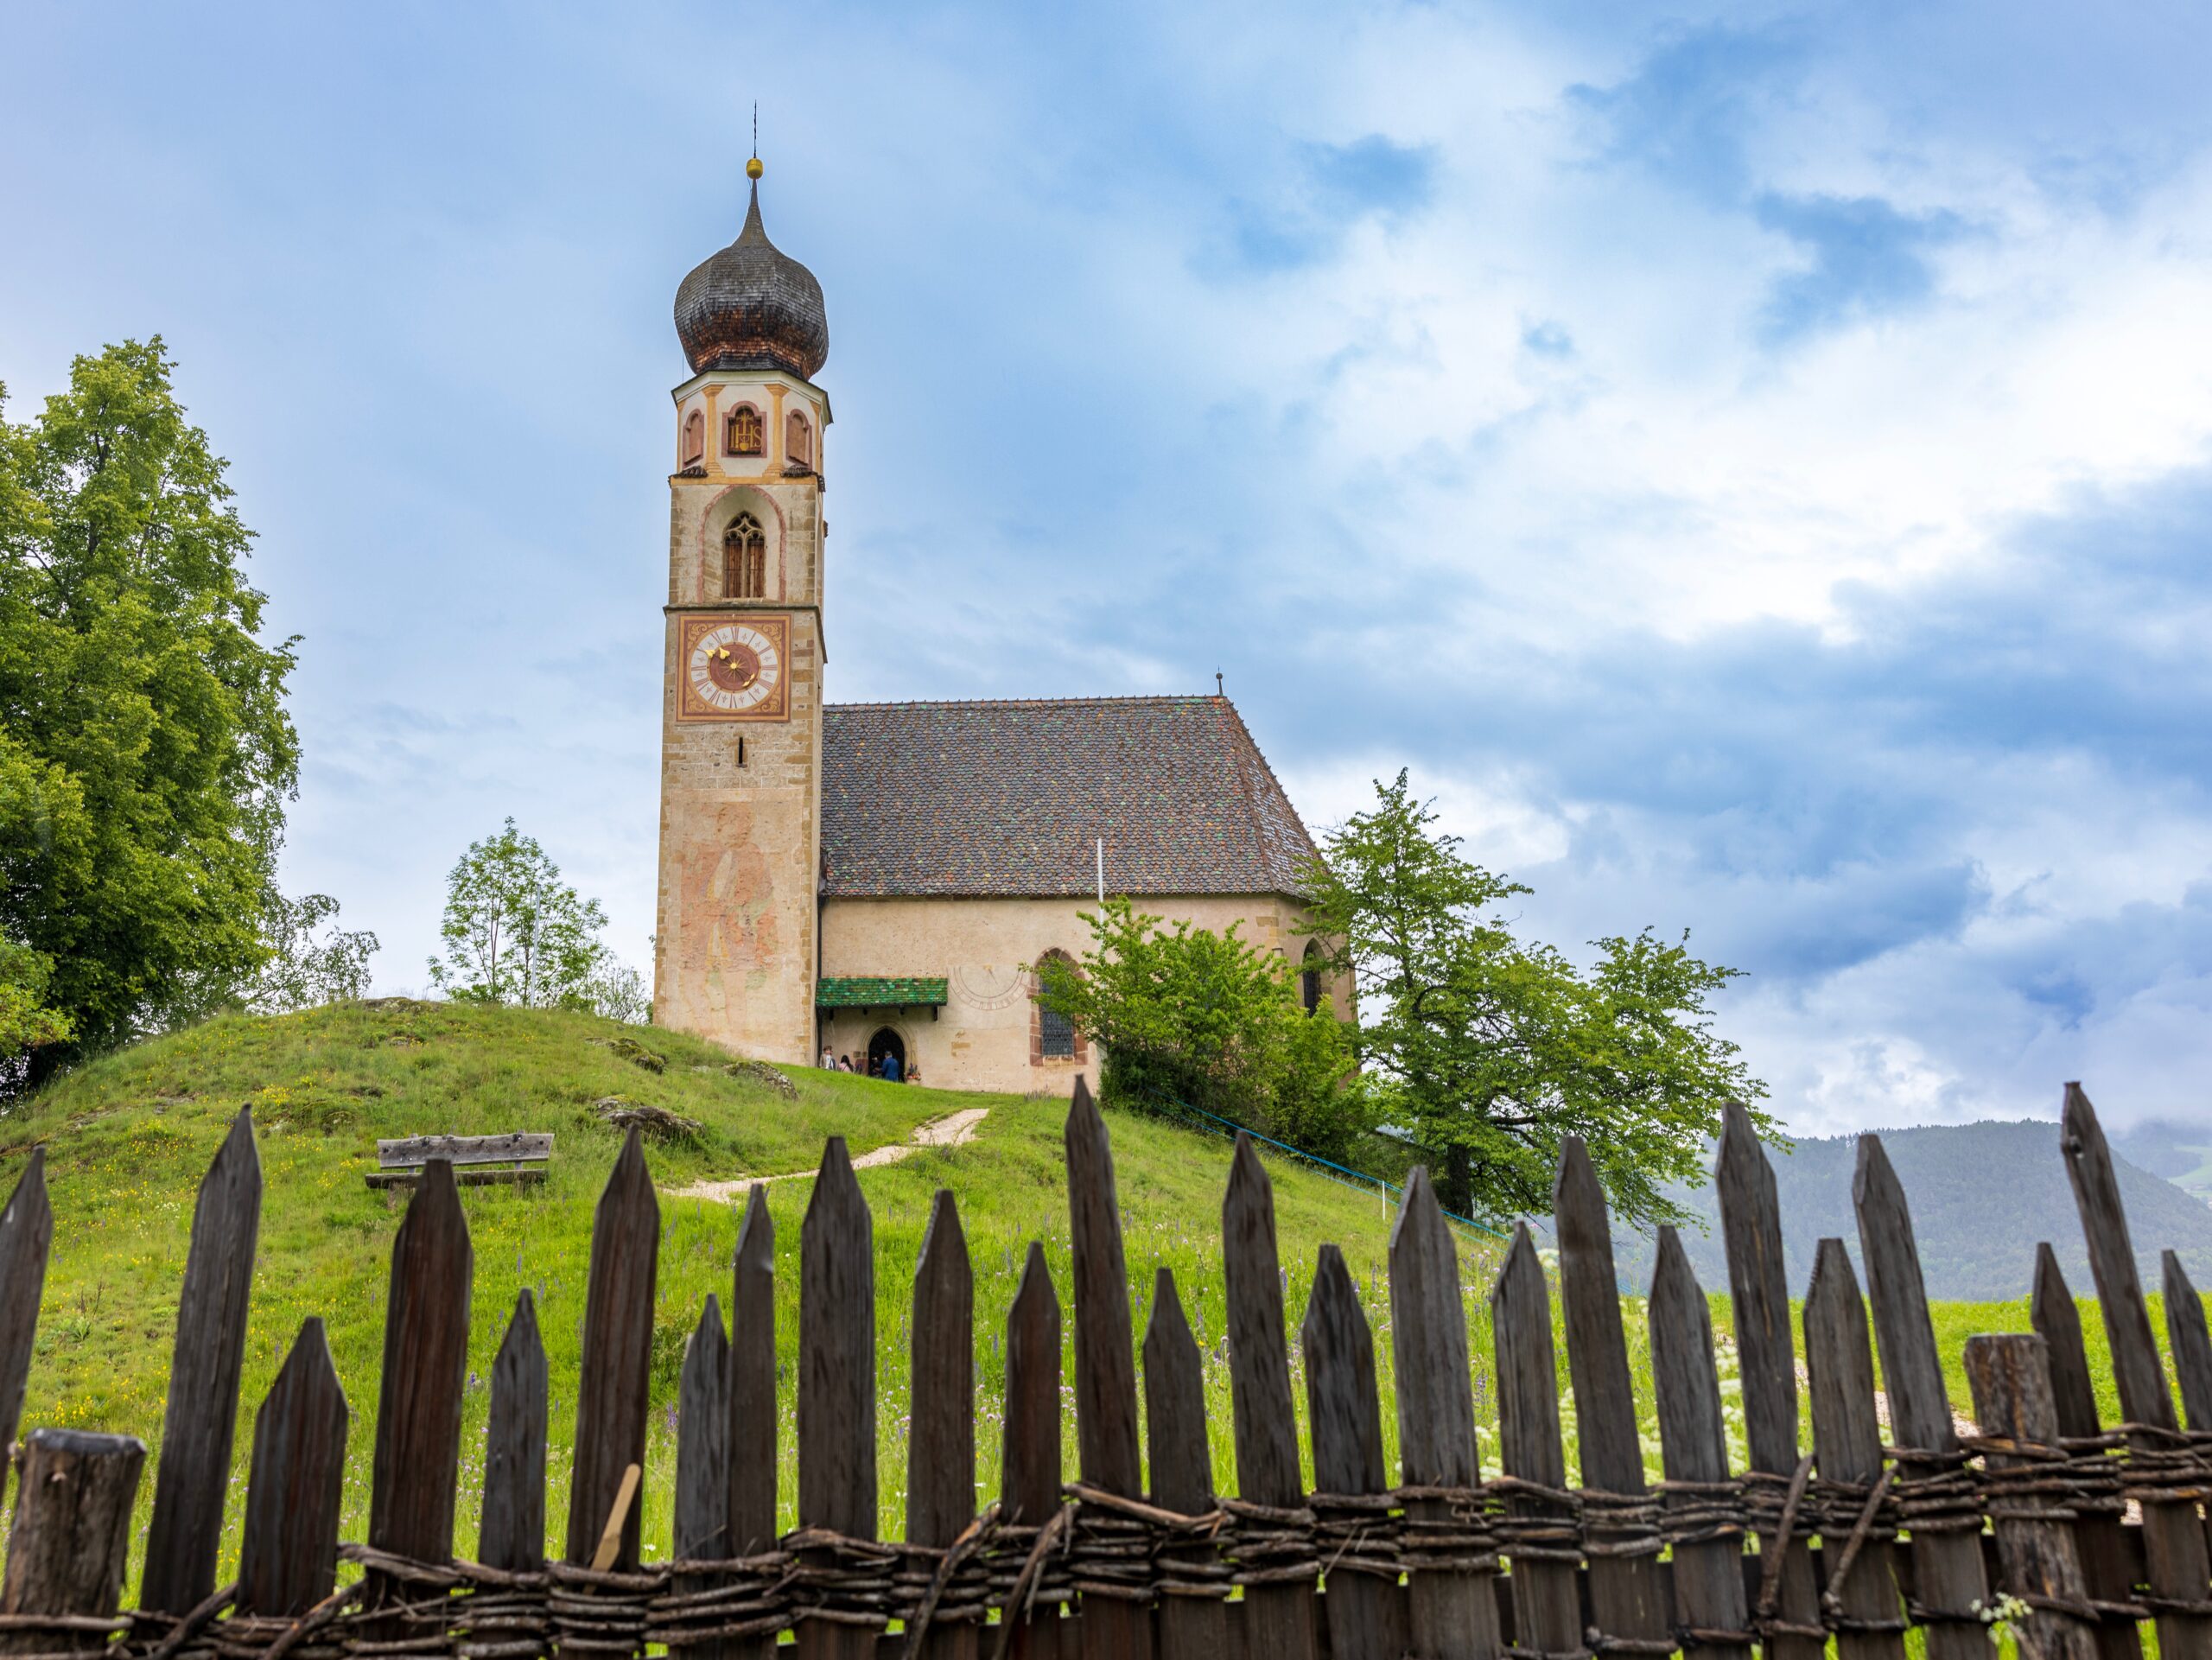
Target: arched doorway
(885, 1042)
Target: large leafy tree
(145, 752)
(1187, 1015)
(515, 933)
(1492, 1049)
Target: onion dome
(753, 307)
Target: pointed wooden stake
(26, 1237)
(1626, 1594)
(1751, 1223)
(512, 1534)
(1693, 1443)
(1546, 1601)
(194, 1475)
(1191, 1628)
(1847, 1438)
(2106, 1561)
(287, 1557)
(701, 1530)
(613, 1390)
(941, 1446)
(836, 1378)
(2173, 1532)
(1279, 1618)
(1450, 1613)
(425, 1370)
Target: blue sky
(1752, 464)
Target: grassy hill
(128, 1137)
(1982, 1196)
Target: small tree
(306, 968)
(616, 991)
(1187, 1015)
(515, 933)
(1491, 1051)
(27, 1020)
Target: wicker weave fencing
(2074, 1534)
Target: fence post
(2191, 1346)
(419, 1394)
(1751, 1224)
(1546, 1598)
(836, 1380)
(941, 1448)
(2173, 1534)
(2011, 1380)
(1452, 1611)
(71, 1536)
(1861, 1602)
(26, 1236)
(615, 1377)
(1029, 1465)
(1278, 1619)
(752, 1413)
(1948, 1575)
(1365, 1611)
(1627, 1598)
(288, 1553)
(1693, 1443)
(511, 1533)
(2107, 1562)
(1190, 1627)
(1105, 1362)
(701, 1520)
(194, 1473)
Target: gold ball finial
(753, 169)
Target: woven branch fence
(2075, 1533)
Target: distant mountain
(1982, 1196)
(2179, 1151)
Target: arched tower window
(745, 560)
(695, 439)
(743, 433)
(1309, 977)
(798, 441)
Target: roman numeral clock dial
(733, 669)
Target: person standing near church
(829, 1060)
(891, 1066)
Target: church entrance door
(885, 1042)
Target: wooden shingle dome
(753, 307)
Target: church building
(883, 876)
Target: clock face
(733, 669)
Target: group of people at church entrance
(884, 1062)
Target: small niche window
(745, 560)
(1309, 978)
(1055, 1034)
(695, 439)
(798, 441)
(743, 434)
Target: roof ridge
(1034, 702)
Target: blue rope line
(1233, 1127)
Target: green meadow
(129, 1137)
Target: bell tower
(737, 948)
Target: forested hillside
(1982, 1196)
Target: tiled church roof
(1008, 799)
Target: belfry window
(799, 441)
(1309, 978)
(743, 433)
(695, 439)
(745, 560)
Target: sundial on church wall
(984, 986)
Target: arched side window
(1309, 977)
(745, 560)
(695, 439)
(743, 434)
(799, 441)
(1052, 1036)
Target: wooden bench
(524, 1156)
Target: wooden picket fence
(2076, 1533)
